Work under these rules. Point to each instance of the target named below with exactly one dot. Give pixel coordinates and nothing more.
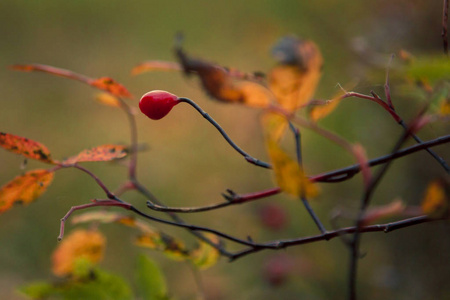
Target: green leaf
(96, 285)
(37, 290)
(430, 68)
(150, 280)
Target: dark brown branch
(247, 157)
(328, 177)
(388, 227)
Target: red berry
(273, 216)
(156, 104)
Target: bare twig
(388, 227)
(309, 209)
(95, 203)
(247, 157)
(365, 201)
(328, 177)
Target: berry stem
(247, 157)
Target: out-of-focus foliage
(109, 37)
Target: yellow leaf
(25, 188)
(294, 80)
(444, 109)
(107, 99)
(205, 255)
(84, 244)
(321, 111)
(170, 246)
(274, 125)
(435, 202)
(288, 174)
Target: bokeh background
(188, 163)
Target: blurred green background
(188, 163)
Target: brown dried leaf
(219, 84)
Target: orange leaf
(24, 188)
(444, 109)
(150, 237)
(79, 244)
(397, 207)
(155, 65)
(107, 99)
(318, 112)
(104, 83)
(295, 79)
(219, 84)
(110, 85)
(25, 147)
(289, 176)
(435, 202)
(100, 153)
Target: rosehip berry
(157, 104)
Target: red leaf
(51, 70)
(24, 188)
(100, 153)
(25, 147)
(104, 83)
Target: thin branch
(143, 190)
(133, 136)
(365, 201)
(390, 108)
(89, 205)
(431, 152)
(195, 228)
(328, 177)
(309, 209)
(388, 227)
(387, 89)
(247, 157)
(100, 183)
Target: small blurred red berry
(273, 216)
